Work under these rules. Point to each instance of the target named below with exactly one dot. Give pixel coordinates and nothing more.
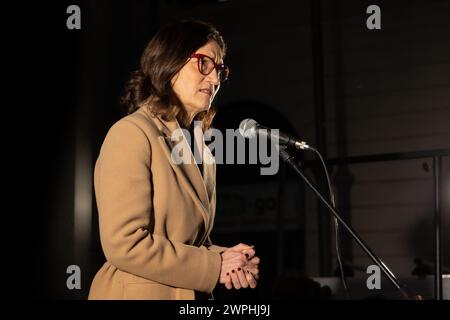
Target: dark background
(360, 92)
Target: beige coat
(155, 216)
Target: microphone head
(247, 128)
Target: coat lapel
(200, 188)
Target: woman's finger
(251, 280)
(253, 271)
(228, 283)
(235, 279)
(249, 253)
(255, 260)
(251, 266)
(239, 247)
(242, 278)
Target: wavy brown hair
(164, 56)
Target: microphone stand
(285, 156)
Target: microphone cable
(336, 224)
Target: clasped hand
(239, 267)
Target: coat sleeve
(122, 181)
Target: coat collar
(200, 186)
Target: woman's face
(195, 90)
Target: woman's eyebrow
(214, 56)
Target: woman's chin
(204, 107)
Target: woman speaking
(155, 216)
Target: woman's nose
(214, 77)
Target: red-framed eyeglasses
(206, 65)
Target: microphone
(249, 128)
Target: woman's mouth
(206, 91)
